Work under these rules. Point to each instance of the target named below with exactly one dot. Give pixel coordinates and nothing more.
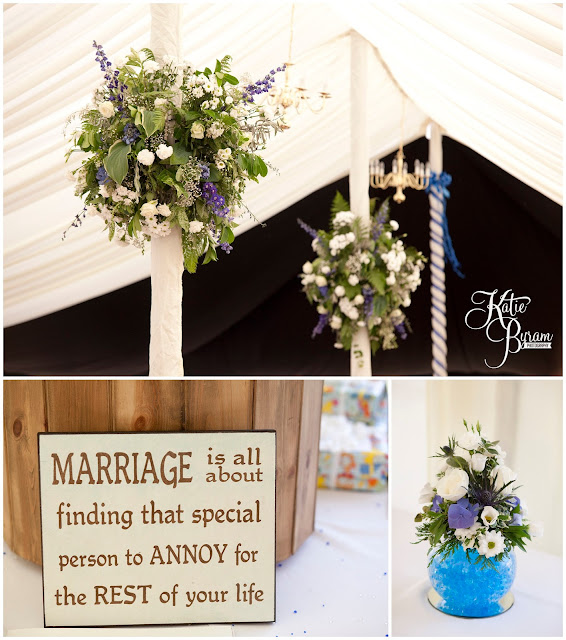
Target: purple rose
(462, 514)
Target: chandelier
(287, 97)
(399, 177)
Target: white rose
(394, 224)
(427, 494)
(197, 130)
(163, 210)
(489, 516)
(353, 280)
(149, 209)
(536, 529)
(359, 299)
(307, 267)
(325, 269)
(339, 291)
(453, 485)
(106, 109)
(163, 151)
(195, 226)
(145, 156)
(503, 475)
(478, 462)
(469, 441)
(335, 322)
(150, 66)
(321, 281)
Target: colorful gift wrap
(364, 406)
(360, 470)
(332, 403)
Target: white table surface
(335, 585)
(537, 589)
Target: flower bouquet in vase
(473, 520)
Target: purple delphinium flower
(368, 301)
(322, 322)
(215, 200)
(308, 229)
(323, 292)
(377, 226)
(131, 133)
(110, 76)
(401, 330)
(204, 171)
(260, 86)
(226, 247)
(102, 176)
(436, 502)
(462, 514)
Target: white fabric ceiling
(489, 74)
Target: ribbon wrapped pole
(360, 354)
(437, 262)
(166, 338)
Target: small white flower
(150, 66)
(453, 485)
(390, 280)
(361, 323)
(91, 210)
(387, 234)
(407, 302)
(149, 209)
(224, 154)
(503, 475)
(163, 210)
(478, 462)
(145, 156)
(220, 164)
(103, 190)
(427, 494)
(490, 544)
(359, 299)
(353, 314)
(338, 345)
(466, 534)
(536, 528)
(489, 516)
(469, 441)
(321, 281)
(335, 322)
(106, 109)
(195, 226)
(394, 225)
(229, 100)
(307, 267)
(164, 151)
(353, 280)
(197, 130)
(321, 310)
(160, 102)
(325, 269)
(309, 279)
(340, 291)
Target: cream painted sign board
(157, 528)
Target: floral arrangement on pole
(473, 502)
(362, 277)
(170, 145)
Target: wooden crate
(291, 407)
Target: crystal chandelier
(284, 98)
(400, 178)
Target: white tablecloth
(335, 585)
(537, 588)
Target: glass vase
(462, 588)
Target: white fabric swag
(488, 74)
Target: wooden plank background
(291, 407)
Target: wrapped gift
(332, 402)
(361, 470)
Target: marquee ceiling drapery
(490, 75)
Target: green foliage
(339, 203)
(152, 121)
(116, 162)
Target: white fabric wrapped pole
(166, 339)
(360, 354)
(437, 262)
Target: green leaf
(227, 235)
(166, 178)
(262, 167)
(116, 162)
(339, 203)
(138, 119)
(189, 115)
(182, 219)
(153, 121)
(210, 255)
(180, 155)
(231, 79)
(211, 114)
(215, 175)
(377, 280)
(457, 462)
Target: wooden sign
(157, 528)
